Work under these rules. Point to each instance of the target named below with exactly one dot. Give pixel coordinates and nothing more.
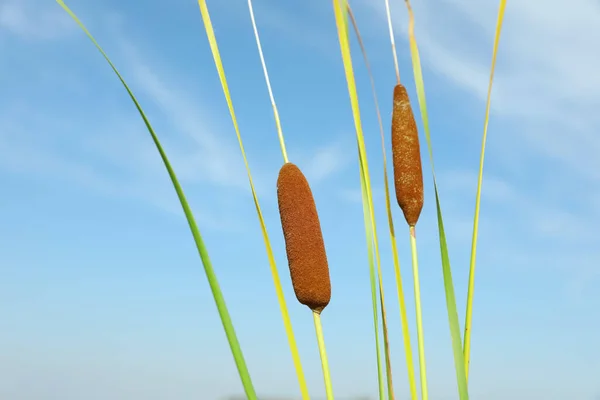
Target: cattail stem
(268, 82)
(200, 245)
(471, 289)
(392, 40)
(388, 356)
(403, 317)
(412, 382)
(323, 354)
(373, 283)
(279, 291)
(420, 336)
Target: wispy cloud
(123, 165)
(205, 156)
(202, 155)
(540, 208)
(327, 161)
(211, 157)
(545, 80)
(302, 27)
(34, 20)
(524, 229)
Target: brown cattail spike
(406, 153)
(303, 239)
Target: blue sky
(102, 294)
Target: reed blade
(271, 258)
(471, 289)
(459, 361)
(202, 251)
(341, 14)
(396, 261)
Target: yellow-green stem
(280, 297)
(201, 247)
(471, 290)
(373, 283)
(420, 336)
(412, 381)
(401, 301)
(340, 11)
(386, 346)
(323, 354)
(268, 82)
(392, 40)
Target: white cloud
(34, 20)
(546, 80)
(215, 158)
(123, 165)
(524, 229)
(206, 156)
(200, 154)
(545, 94)
(271, 17)
(327, 161)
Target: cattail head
(303, 239)
(406, 154)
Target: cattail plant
(396, 260)
(211, 276)
(408, 181)
(305, 251)
(304, 244)
(274, 272)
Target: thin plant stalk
(323, 354)
(341, 11)
(386, 346)
(268, 82)
(372, 280)
(396, 260)
(372, 237)
(202, 251)
(392, 39)
(471, 289)
(419, 314)
(454, 325)
(273, 267)
(284, 311)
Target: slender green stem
(341, 11)
(471, 290)
(420, 336)
(268, 82)
(373, 284)
(323, 354)
(386, 347)
(202, 251)
(280, 296)
(401, 301)
(412, 382)
(457, 348)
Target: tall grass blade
(210, 274)
(276, 281)
(392, 39)
(471, 290)
(399, 286)
(268, 82)
(340, 11)
(323, 354)
(419, 315)
(372, 280)
(459, 361)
